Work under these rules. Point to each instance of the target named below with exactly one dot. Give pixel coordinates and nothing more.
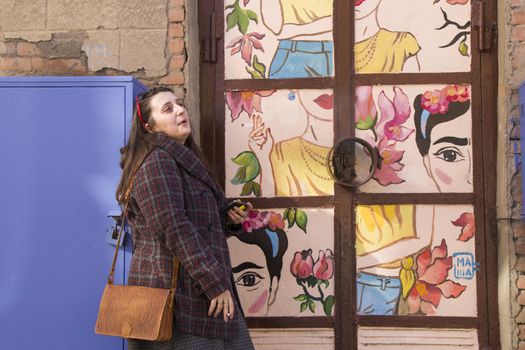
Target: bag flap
(132, 311)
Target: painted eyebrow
(455, 140)
(244, 266)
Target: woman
(174, 211)
(298, 164)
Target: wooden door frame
(484, 111)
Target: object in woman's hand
(238, 204)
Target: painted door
(59, 149)
(404, 260)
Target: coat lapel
(187, 160)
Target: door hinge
(209, 43)
(486, 30)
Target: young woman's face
(449, 159)
(169, 116)
(251, 276)
(319, 104)
(364, 8)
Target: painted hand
(261, 139)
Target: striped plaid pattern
(184, 341)
(174, 210)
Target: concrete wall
(98, 37)
(511, 27)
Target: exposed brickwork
(515, 74)
(80, 42)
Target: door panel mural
(416, 260)
(413, 39)
(283, 262)
(423, 136)
(278, 39)
(411, 259)
(277, 142)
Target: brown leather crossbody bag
(136, 312)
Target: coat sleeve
(158, 190)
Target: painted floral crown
(438, 101)
(256, 220)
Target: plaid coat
(174, 210)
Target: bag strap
(111, 276)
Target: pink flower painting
(247, 101)
(314, 278)
(387, 129)
(245, 44)
(431, 282)
(468, 226)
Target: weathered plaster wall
(98, 37)
(511, 26)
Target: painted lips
(325, 101)
(359, 2)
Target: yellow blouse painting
(303, 12)
(385, 52)
(299, 169)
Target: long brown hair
(140, 142)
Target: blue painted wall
(59, 166)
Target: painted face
(319, 104)
(364, 8)
(449, 159)
(170, 116)
(251, 276)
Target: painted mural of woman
(297, 166)
(378, 50)
(443, 137)
(304, 31)
(257, 264)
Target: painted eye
(179, 102)
(450, 155)
(249, 279)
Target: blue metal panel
(522, 143)
(59, 156)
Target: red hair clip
(139, 113)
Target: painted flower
(456, 93)
(390, 164)
(365, 108)
(393, 115)
(274, 220)
(248, 101)
(245, 45)
(253, 221)
(324, 267)
(432, 283)
(468, 226)
(435, 102)
(302, 264)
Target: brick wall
(99, 37)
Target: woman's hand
(237, 215)
(222, 302)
